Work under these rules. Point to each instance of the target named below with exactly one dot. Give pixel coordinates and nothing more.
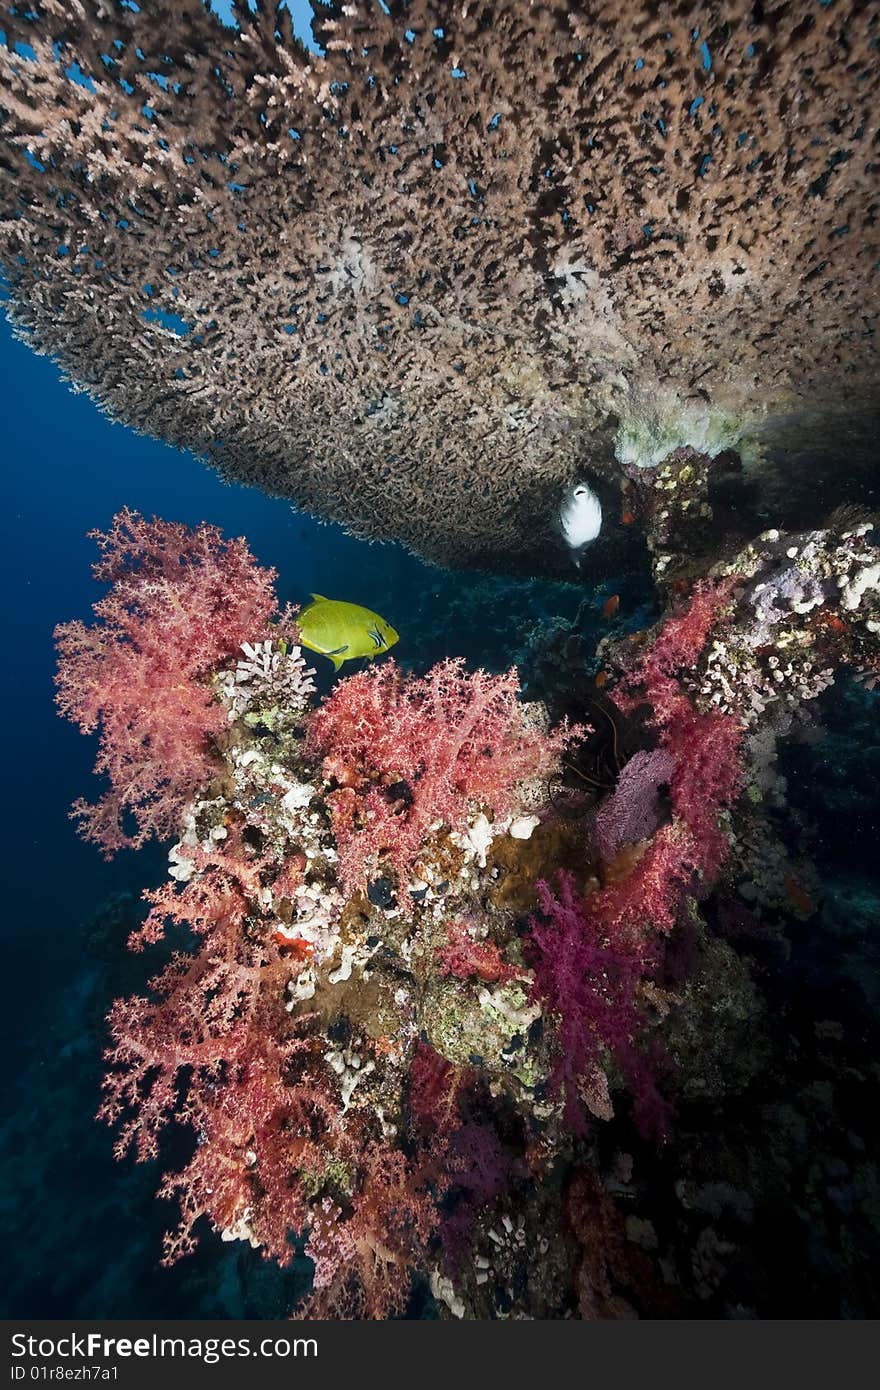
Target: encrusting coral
(421, 282)
(394, 1027)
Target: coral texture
(412, 756)
(630, 814)
(419, 283)
(590, 981)
(400, 990)
(282, 1034)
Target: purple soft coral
(591, 984)
(631, 813)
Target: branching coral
(286, 1032)
(415, 756)
(589, 978)
(389, 1024)
(417, 282)
(704, 748)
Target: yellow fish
(343, 631)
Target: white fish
(580, 517)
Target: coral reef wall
(494, 1007)
(421, 282)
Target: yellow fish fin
(337, 656)
(319, 598)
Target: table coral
(422, 281)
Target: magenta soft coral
(181, 601)
(412, 754)
(590, 982)
(592, 954)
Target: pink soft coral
(364, 1258)
(676, 647)
(703, 748)
(413, 754)
(213, 1047)
(181, 602)
(593, 954)
(467, 959)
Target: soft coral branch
(181, 601)
(589, 980)
(364, 1260)
(213, 1047)
(703, 748)
(413, 754)
(592, 954)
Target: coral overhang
(421, 282)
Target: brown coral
(419, 283)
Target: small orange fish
(601, 679)
(610, 607)
(627, 518)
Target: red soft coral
(181, 602)
(592, 955)
(364, 1260)
(703, 748)
(676, 647)
(214, 1047)
(589, 980)
(419, 753)
(468, 959)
